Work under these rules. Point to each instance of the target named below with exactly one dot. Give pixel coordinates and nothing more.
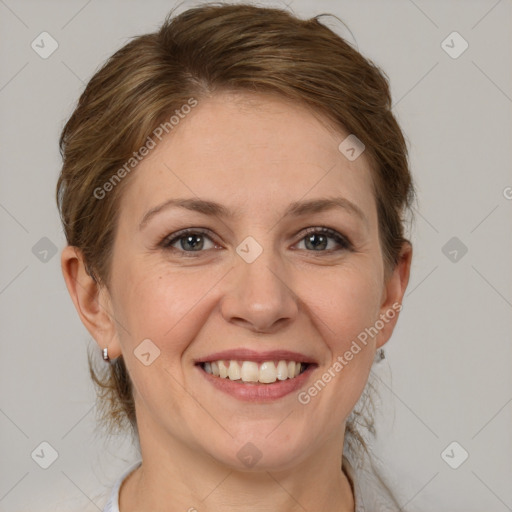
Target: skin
(254, 154)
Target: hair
(204, 50)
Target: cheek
(163, 305)
(345, 307)
(168, 308)
(344, 302)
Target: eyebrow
(295, 209)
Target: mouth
(266, 372)
(253, 376)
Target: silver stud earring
(105, 354)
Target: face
(268, 271)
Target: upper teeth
(250, 371)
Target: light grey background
(447, 376)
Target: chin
(258, 453)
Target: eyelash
(169, 240)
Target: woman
(233, 193)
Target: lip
(253, 392)
(243, 354)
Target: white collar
(112, 504)
(373, 498)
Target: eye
(317, 239)
(188, 240)
(196, 240)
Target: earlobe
(91, 301)
(394, 292)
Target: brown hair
(206, 49)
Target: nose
(260, 295)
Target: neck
(176, 481)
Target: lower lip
(257, 392)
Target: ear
(91, 300)
(393, 294)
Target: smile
(265, 372)
(256, 376)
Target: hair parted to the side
(209, 48)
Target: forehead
(249, 150)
